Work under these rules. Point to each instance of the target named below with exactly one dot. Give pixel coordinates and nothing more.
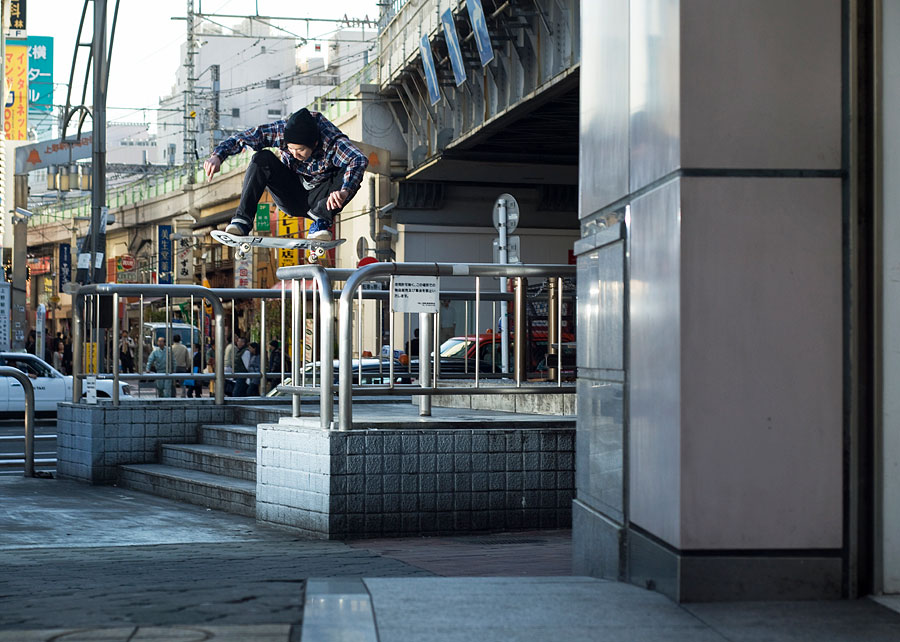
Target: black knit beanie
(301, 129)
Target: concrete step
(234, 436)
(227, 494)
(218, 460)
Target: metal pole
(283, 344)
(504, 308)
(28, 389)
(262, 348)
(98, 117)
(477, 325)
(552, 327)
(359, 333)
(115, 351)
(520, 324)
(390, 334)
(77, 345)
(559, 350)
(301, 347)
(295, 340)
(425, 341)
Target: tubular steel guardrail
(428, 344)
(312, 362)
(28, 388)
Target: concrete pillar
(710, 430)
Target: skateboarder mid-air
(320, 170)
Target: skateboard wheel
(313, 258)
(320, 251)
(239, 255)
(245, 247)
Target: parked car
(50, 385)
(486, 347)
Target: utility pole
(98, 156)
(190, 105)
(214, 107)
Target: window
(235, 112)
(31, 367)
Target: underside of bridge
(501, 121)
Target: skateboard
(244, 244)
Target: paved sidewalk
(83, 563)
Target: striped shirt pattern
(334, 152)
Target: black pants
(267, 171)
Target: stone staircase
(219, 471)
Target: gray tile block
(391, 483)
(409, 484)
(392, 444)
(445, 443)
(374, 444)
(391, 463)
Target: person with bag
(157, 363)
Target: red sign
(126, 261)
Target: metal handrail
(21, 377)
(117, 289)
(326, 341)
(370, 272)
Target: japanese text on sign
(416, 294)
(15, 109)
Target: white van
(153, 331)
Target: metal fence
(307, 333)
(428, 372)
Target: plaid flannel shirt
(334, 152)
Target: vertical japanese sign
(431, 80)
(184, 262)
(164, 254)
(288, 226)
(243, 271)
(453, 50)
(16, 26)
(480, 29)
(65, 265)
(15, 108)
(262, 218)
(5, 316)
(40, 73)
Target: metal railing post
(520, 340)
(299, 344)
(115, 349)
(77, 344)
(28, 389)
(425, 341)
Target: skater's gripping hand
(211, 166)
(336, 200)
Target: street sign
(52, 152)
(416, 294)
(362, 248)
(512, 212)
(127, 261)
(512, 249)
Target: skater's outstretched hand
(336, 199)
(211, 166)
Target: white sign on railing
(416, 294)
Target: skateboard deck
(244, 244)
